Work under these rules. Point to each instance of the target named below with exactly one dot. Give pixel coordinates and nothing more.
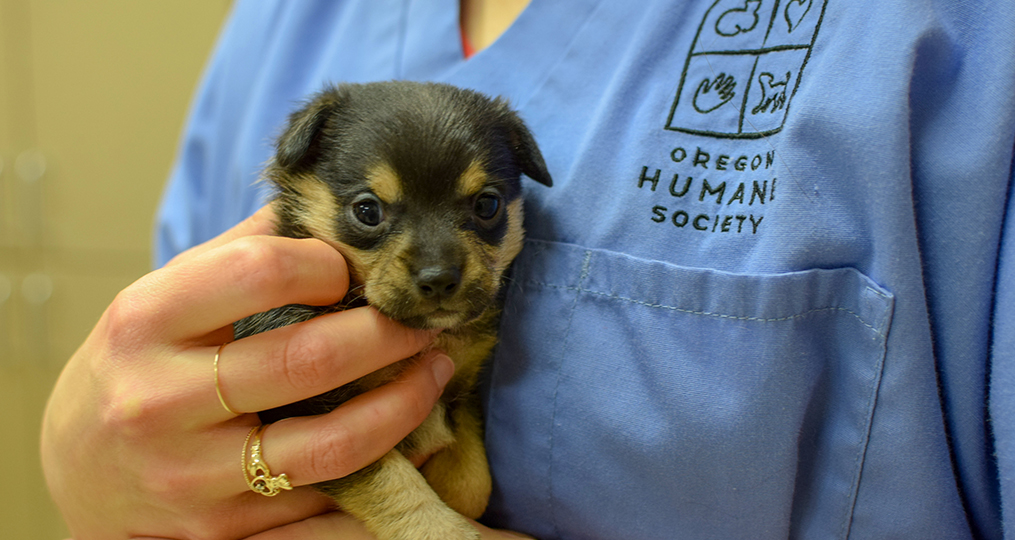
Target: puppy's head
(417, 185)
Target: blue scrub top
(772, 291)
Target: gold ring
(256, 471)
(218, 391)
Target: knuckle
(134, 406)
(128, 415)
(126, 320)
(334, 453)
(164, 483)
(120, 416)
(301, 365)
(211, 526)
(175, 489)
(260, 264)
(124, 310)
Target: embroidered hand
(711, 95)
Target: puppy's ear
(299, 146)
(526, 152)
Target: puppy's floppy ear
(299, 145)
(525, 150)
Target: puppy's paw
(468, 494)
(449, 529)
(459, 474)
(435, 522)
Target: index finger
(246, 276)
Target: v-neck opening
(469, 49)
(513, 65)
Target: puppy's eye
(487, 206)
(368, 211)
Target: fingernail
(443, 368)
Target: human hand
(135, 442)
(338, 525)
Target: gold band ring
(218, 391)
(256, 471)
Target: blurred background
(93, 96)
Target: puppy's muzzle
(438, 283)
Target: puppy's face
(418, 185)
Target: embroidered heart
(795, 12)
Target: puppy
(418, 186)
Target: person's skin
(484, 20)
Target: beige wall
(92, 99)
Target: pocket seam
(585, 268)
(717, 315)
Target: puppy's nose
(438, 282)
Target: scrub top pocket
(637, 399)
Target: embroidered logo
(744, 67)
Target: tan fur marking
(472, 180)
(318, 217)
(386, 275)
(318, 214)
(385, 183)
(477, 261)
(513, 239)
